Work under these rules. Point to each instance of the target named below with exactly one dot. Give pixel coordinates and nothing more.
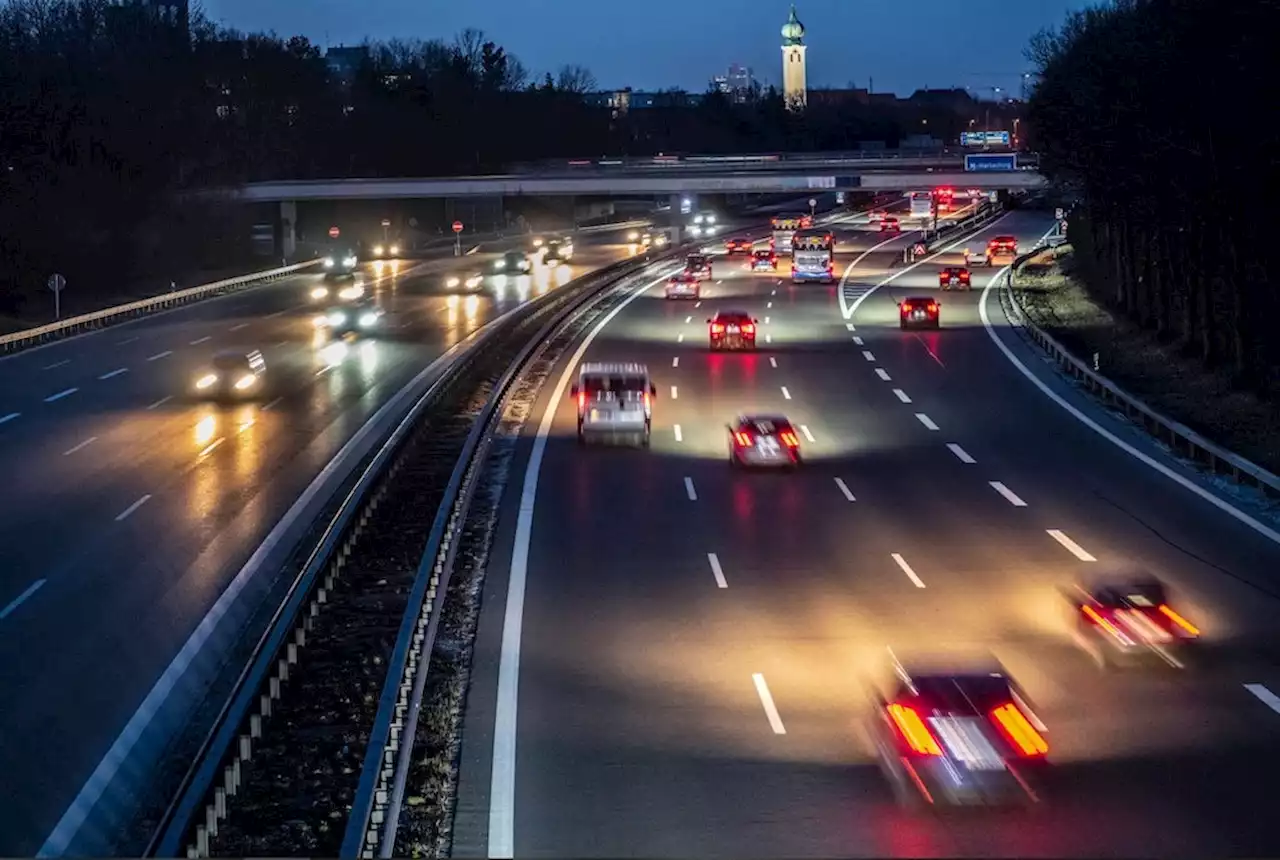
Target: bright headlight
(474, 281)
(452, 282)
(537, 243)
(320, 293)
(320, 321)
(337, 319)
(395, 250)
(349, 261)
(697, 231)
(328, 262)
(378, 250)
(367, 320)
(633, 236)
(711, 219)
(206, 380)
(349, 293)
(499, 264)
(246, 381)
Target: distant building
(624, 100)
(795, 89)
(739, 84)
(838, 98)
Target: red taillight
(743, 440)
(913, 730)
(582, 400)
(748, 328)
(906, 307)
(717, 328)
(1187, 627)
(933, 307)
(789, 439)
(1019, 731)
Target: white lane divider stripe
(123, 515)
(716, 570)
(697, 304)
(786, 394)
(679, 434)
(688, 320)
(849, 326)
(961, 454)
(768, 338)
(162, 401)
(883, 374)
(675, 362)
(62, 363)
(1009, 494)
(901, 395)
(126, 340)
(5, 419)
(766, 320)
(857, 341)
(679, 338)
(868, 355)
(844, 488)
(926, 421)
(1268, 698)
(66, 392)
(160, 355)
(20, 599)
(689, 490)
(240, 326)
(773, 362)
(906, 568)
(85, 444)
(770, 709)
(675, 393)
(116, 372)
(201, 340)
(1071, 546)
(804, 428)
(768, 305)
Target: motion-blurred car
(389, 251)
(704, 224)
(558, 251)
(954, 277)
(232, 374)
(732, 330)
(1129, 621)
(698, 265)
(738, 246)
(764, 260)
(1001, 246)
(876, 215)
(614, 400)
(964, 739)
(684, 285)
(919, 312)
(356, 318)
(650, 239)
(889, 224)
(468, 280)
(340, 263)
(763, 440)
(512, 263)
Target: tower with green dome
(794, 87)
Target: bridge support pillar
(288, 229)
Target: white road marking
(66, 392)
(679, 338)
(201, 340)
(5, 419)
(86, 443)
(162, 401)
(804, 428)
(786, 395)
(116, 372)
(674, 392)
(64, 361)
(926, 421)
(675, 362)
(160, 355)
(901, 395)
(275, 402)
(679, 435)
(961, 454)
(773, 292)
(240, 326)
(1072, 547)
(849, 326)
(716, 570)
(770, 709)
(123, 515)
(844, 488)
(126, 340)
(689, 490)
(768, 305)
(766, 320)
(1268, 698)
(20, 599)
(698, 304)
(906, 568)
(883, 374)
(847, 312)
(1009, 494)
(209, 449)
(688, 320)
(284, 343)
(773, 362)
(857, 341)
(868, 355)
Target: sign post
(457, 238)
(813, 206)
(386, 225)
(56, 285)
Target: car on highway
(738, 245)
(1001, 246)
(650, 239)
(730, 329)
(698, 265)
(513, 263)
(959, 739)
(889, 224)
(764, 260)
(876, 215)
(389, 251)
(1129, 621)
(684, 285)
(763, 441)
(232, 374)
(467, 280)
(954, 277)
(557, 252)
(340, 263)
(349, 293)
(361, 317)
(919, 312)
(614, 400)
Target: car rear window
(602, 384)
(766, 426)
(962, 694)
(735, 318)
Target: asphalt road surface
(690, 646)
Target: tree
(575, 79)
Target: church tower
(794, 88)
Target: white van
(614, 400)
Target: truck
(784, 228)
(812, 256)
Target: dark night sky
(655, 44)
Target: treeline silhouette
(1155, 113)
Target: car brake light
(789, 439)
(582, 400)
(913, 730)
(1019, 731)
(748, 328)
(743, 439)
(716, 328)
(906, 307)
(1177, 619)
(933, 307)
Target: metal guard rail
(216, 765)
(1182, 439)
(20, 340)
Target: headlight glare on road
(633, 236)
(320, 321)
(474, 281)
(246, 381)
(349, 293)
(206, 380)
(320, 293)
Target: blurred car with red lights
(1001, 246)
(889, 224)
(738, 245)
(684, 285)
(764, 260)
(1129, 621)
(732, 330)
(955, 277)
(959, 739)
(763, 441)
(698, 265)
(919, 312)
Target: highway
(130, 505)
(690, 646)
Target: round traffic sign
(334, 232)
(57, 282)
(812, 202)
(457, 226)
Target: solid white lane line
(868, 355)
(961, 454)
(786, 395)
(679, 338)
(201, 340)
(773, 362)
(1072, 547)
(906, 568)
(66, 392)
(20, 599)
(770, 709)
(902, 395)
(5, 419)
(160, 355)
(844, 488)
(926, 421)
(162, 401)
(675, 362)
(240, 326)
(123, 515)
(883, 374)
(116, 372)
(674, 392)
(1009, 494)
(1268, 698)
(804, 428)
(688, 320)
(857, 341)
(689, 490)
(275, 402)
(679, 435)
(64, 361)
(86, 443)
(210, 447)
(716, 570)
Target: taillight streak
(743, 440)
(913, 730)
(717, 328)
(789, 439)
(748, 328)
(1019, 731)
(1177, 619)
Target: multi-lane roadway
(674, 656)
(130, 505)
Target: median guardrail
(1182, 439)
(19, 340)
